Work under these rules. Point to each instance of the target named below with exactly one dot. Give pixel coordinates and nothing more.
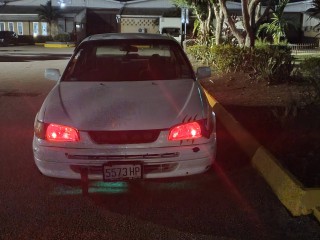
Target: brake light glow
(60, 133)
(55, 132)
(185, 131)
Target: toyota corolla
(127, 106)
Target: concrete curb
(59, 45)
(292, 194)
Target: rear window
(128, 61)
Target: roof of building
(13, 9)
(29, 13)
(149, 11)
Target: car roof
(127, 36)
(5, 33)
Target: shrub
(271, 63)
(199, 53)
(310, 69)
(43, 39)
(62, 37)
(228, 58)
(25, 39)
(223, 58)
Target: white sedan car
(127, 106)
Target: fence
(304, 47)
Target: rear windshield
(124, 60)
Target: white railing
(304, 47)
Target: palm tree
(48, 14)
(278, 25)
(315, 10)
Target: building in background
(81, 18)
(308, 29)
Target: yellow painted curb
(316, 213)
(246, 141)
(212, 101)
(297, 199)
(58, 45)
(311, 200)
(289, 191)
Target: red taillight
(185, 131)
(60, 133)
(56, 132)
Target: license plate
(113, 172)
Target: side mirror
(52, 74)
(203, 72)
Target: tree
(251, 20)
(218, 12)
(203, 11)
(4, 3)
(315, 10)
(278, 25)
(48, 14)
